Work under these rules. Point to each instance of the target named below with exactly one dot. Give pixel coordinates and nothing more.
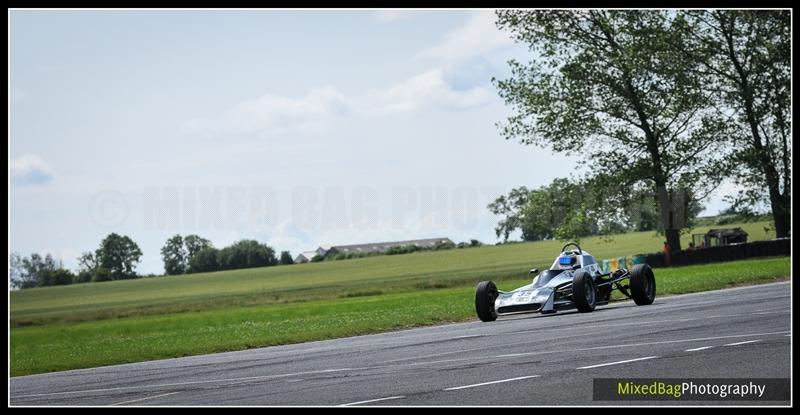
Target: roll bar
(580, 251)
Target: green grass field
(86, 325)
(314, 281)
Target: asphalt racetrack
(526, 359)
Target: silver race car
(574, 281)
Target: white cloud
(478, 36)
(425, 90)
(272, 114)
(30, 170)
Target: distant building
(304, 257)
(382, 247)
(307, 256)
(379, 247)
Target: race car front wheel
(485, 294)
(643, 284)
(584, 294)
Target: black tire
(643, 284)
(584, 293)
(485, 294)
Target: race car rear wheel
(584, 293)
(485, 294)
(643, 284)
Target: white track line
(721, 301)
(581, 327)
(647, 323)
(698, 349)
(462, 351)
(372, 400)
(144, 399)
(736, 344)
(619, 363)
(584, 349)
(724, 290)
(490, 383)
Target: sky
(295, 128)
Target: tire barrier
(613, 264)
(775, 247)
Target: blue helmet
(567, 260)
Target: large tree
(193, 244)
(204, 261)
(87, 267)
(246, 254)
(286, 258)
(118, 254)
(557, 211)
(745, 59)
(174, 256)
(606, 87)
(510, 209)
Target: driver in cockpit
(567, 260)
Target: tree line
(568, 209)
(668, 103)
(192, 254)
(114, 259)
(396, 250)
(118, 255)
